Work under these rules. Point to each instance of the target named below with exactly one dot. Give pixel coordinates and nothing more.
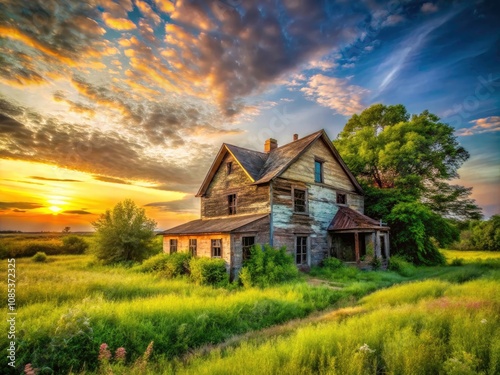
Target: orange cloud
(119, 24)
(165, 6)
(483, 125)
(146, 10)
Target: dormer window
(318, 171)
(229, 167)
(341, 198)
(231, 200)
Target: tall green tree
(124, 234)
(405, 163)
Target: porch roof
(347, 219)
(224, 225)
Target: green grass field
(470, 256)
(438, 320)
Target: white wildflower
(365, 348)
(484, 321)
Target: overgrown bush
(267, 267)
(208, 271)
(74, 245)
(332, 263)
(168, 265)
(400, 265)
(457, 262)
(39, 257)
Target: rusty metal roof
(226, 225)
(348, 219)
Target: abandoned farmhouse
(300, 195)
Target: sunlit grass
(470, 256)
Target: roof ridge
(246, 149)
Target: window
(246, 245)
(231, 200)
(229, 167)
(341, 198)
(173, 246)
(192, 246)
(217, 248)
(318, 171)
(301, 250)
(299, 201)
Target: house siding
(204, 245)
(251, 199)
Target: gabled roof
(262, 167)
(348, 219)
(207, 226)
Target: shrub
(376, 263)
(39, 257)
(154, 264)
(74, 245)
(332, 263)
(399, 264)
(267, 267)
(170, 266)
(207, 271)
(457, 262)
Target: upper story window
(231, 201)
(318, 171)
(193, 244)
(173, 246)
(229, 167)
(299, 200)
(216, 248)
(341, 198)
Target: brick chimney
(295, 137)
(270, 145)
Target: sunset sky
(105, 100)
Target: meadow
(436, 320)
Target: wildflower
(365, 348)
(120, 354)
(484, 321)
(104, 353)
(148, 351)
(29, 370)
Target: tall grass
(454, 330)
(67, 308)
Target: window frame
(229, 167)
(341, 195)
(214, 246)
(245, 249)
(294, 200)
(193, 246)
(321, 171)
(173, 245)
(304, 250)
(232, 204)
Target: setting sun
(55, 209)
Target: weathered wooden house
(300, 195)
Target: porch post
(387, 249)
(356, 246)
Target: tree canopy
(386, 148)
(404, 163)
(124, 234)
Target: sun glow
(55, 209)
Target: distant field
(469, 256)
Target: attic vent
(270, 145)
(295, 137)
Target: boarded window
(229, 167)
(231, 200)
(318, 171)
(341, 198)
(246, 245)
(217, 248)
(301, 250)
(193, 243)
(173, 246)
(299, 200)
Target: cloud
(187, 204)
(429, 8)
(77, 212)
(119, 24)
(489, 124)
(335, 93)
(393, 20)
(54, 179)
(112, 180)
(16, 210)
(19, 205)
